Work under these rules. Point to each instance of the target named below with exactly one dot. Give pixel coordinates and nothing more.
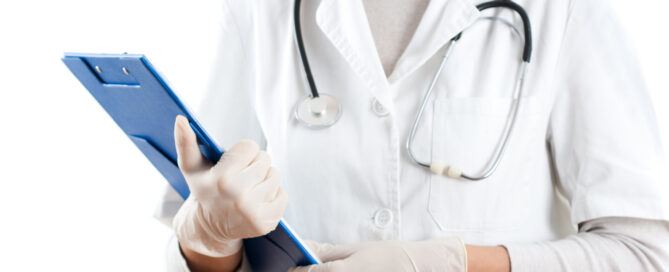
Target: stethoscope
(320, 110)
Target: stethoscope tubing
(303, 52)
(423, 104)
(518, 90)
(527, 28)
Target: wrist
(210, 247)
(487, 258)
(439, 254)
(200, 237)
(200, 262)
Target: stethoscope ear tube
(527, 28)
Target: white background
(76, 194)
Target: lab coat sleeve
(175, 260)
(227, 112)
(603, 132)
(604, 244)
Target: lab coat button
(379, 109)
(383, 218)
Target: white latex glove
(447, 254)
(238, 197)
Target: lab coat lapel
(345, 24)
(442, 20)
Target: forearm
(605, 244)
(486, 258)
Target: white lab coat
(585, 143)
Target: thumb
(325, 267)
(329, 252)
(332, 257)
(189, 157)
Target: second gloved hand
(238, 197)
(446, 254)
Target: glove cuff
(198, 237)
(443, 254)
(216, 249)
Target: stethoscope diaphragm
(318, 112)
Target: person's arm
(238, 197)
(230, 92)
(179, 260)
(604, 244)
(606, 154)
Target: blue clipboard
(144, 107)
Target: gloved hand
(446, 254)
(238, 197)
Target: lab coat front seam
(395, 178)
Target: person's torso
(354, 181)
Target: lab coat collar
(345, 24)
(442, 20)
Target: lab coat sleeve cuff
(176, 262)
(531, 257)
(245, 266)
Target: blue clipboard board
(142, 104)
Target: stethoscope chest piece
(318, 112)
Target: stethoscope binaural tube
(527, 28)
(451, 170)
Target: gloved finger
(247, 179)
(250, 176)
(257, 171)
(267, 216)
(268, 189)
(276, 207)
(238, 157)
(324, 267)
(329, 252)
(189, 157)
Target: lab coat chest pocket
(466, 133)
